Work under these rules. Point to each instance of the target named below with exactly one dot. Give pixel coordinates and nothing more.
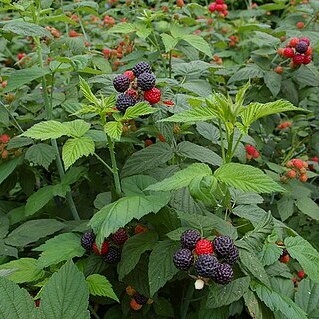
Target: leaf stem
(221, 139)
(104, 163)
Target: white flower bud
(199, 284)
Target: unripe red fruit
(148, 142)
(293, 42)
(161, 137)
(130, 75)
(130, 290)
(290, 164)
(140, 229)
(288, 53)
(73, 34)
(301, 274)
(204, 246)
(4, 154)
(291, 174)
(219, 7)
(285, 259)
(20, 56)
(300, 25)
(104, 248)
(298, 163)
(219, 1)
(212, 7)
(298, 59)
(4, 138)
(280, 51)
(307, 59)
(279, 69)
(4, 84)
(153, 95)
(134, 305)
(303, 178)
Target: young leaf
(246, 178)
(182, 178)
(139, 109)
(41, 154)
(123, 28)
(133, 248)
(198, 43)
(100, 286)
(76, 128)
(161, 267)
(6, 168)
(113, 129)
(75, 148)
(307, 297)
(26, 29)
(66, 295)
(277, 302)
(307, 256)
(59, 248)
(87, 92)
(46, 130)
(169, 42)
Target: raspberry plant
(159, 159)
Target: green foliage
(100, 286)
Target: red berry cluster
(138, 300)
(220, 6)
(298, 50)
(284, 125)
(298, 169)
(251, 152)
(315, 160)
(4, 140)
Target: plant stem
(104, 163)
(94, 314)
(170, 64)
(221, 140)
(115, 169)
(187, 300)
(230, 147)
(236, 145)
(16, 124)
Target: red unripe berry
(219, 1)
(204, 246)
(130, 75)
(219, 7)
(314, 159)
(161, 138)
(134, 305)
(225, 7)
(298, 59)
(20, 56)
(290, 164)
(309, 51)
(169, 103)
(4, 138)
(250, 149)
(148, 142)
(300, 25)
(280, 51)
(37, 303)
(180, 3)
(301, 274)
(307, 59)
(285, 259)
(291, 174)
(288, 52)
(303, 178)
(279, 69)
(212, 7)
(4, 84)
(153, 95)
(298, 163)
(256, 154)
(140, 229)
(104, 248)
(293, 42)
(294, 279)
(73, 34)
(4, 154)
(132, 93)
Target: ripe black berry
(87, 240)
(141, 67)
(301, 47)
(146, 81)
(113, 256)
(223, 274)
(189, 238)
(284, 252)
(120, 236)
(140, 299)
(206, 265)
(124, 101)
(183, 259)
(222, 245)
(232, 256)
(121, 83)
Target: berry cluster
(234, 39)
(4, 140)
(314, 162)
(210, 259)
(135, 85)
(220, 6)
(110, 250)
(298, 169)
(251, 152)
(284, 125)
(138, 300)
(298, 50)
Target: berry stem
(221, 139)
(187, 300)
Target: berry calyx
(153, 95)
(130, 290)
(204, 246)
(140, 229)
(104, 249)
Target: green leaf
(164, 308)
(139, 109)
(255, 111)
(24, 270)
(32, 230)
(113, 129)
(76, 128)
(26, 29)
(197, 114)
(308, 207)
(246, 178)
(46, 130)
(133, 248)
(59, 248)
(15, 302)
(6, 168)
(41, 154)
(75, 148)
(277, 302)
(66, 295)
(182, 178)
(40, 198)
(87, 92)
(118, 214)
(285, 206)
(123, 28)
(250, 71)
(307, 256)
(270, 254)
(273, 82)
(169, 42)
(148, 158)
(307, 297)
(198, 43)
(161, 268)
(199, 153)
(100, 286)
(256, 308)
(224, 295)
(20, 77)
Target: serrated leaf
(139, 109)
(66, 295)
(255, 307)
(250, 71)
(182, 178)
(24, 270)
(41, 154)
(161, 267)
(118, 214)
(76, 128)
(224, 295)
(75, 148)
(26, 29)
(123, 28)
(15, 302)
(270, 254)
(197, 114)
(59, 248)
(307, 256)
(273, 82)
(308, 207)
(307, 297)
(113, 129)
(246, 178)
(100, 286)
(32, 230)
(169, 42)
(198, 43)
(199, 153)
(133, 248)
(148, 158)
(46, 130)
(285, 206)
(7, 168)
(87, 92)
(277, 302)
(19, 78)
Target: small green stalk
(222, 140)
